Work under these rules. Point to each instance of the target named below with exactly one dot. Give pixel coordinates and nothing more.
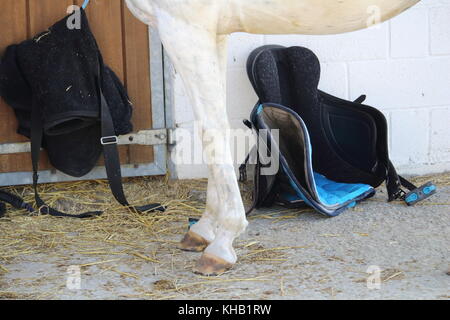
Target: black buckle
(400, 194)
(109, 140)
(419, 194)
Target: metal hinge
(143, 137)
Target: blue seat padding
(334, 193)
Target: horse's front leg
(198, 55)
(204, 232)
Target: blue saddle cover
(295, 155)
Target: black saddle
(333, 152)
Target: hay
(439, 179)
(97, 263)
(172, 286)
(118, 233)
(21, 233)
(257, 253)
(121, 235)
(392, 274)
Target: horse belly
(309, 16)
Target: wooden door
(124, 42)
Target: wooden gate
(125, 45)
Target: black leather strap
(111, 155)
(394, 184)
(243, 177)
(255, 191)
(37, 132)
(407, 184)
(2, 209)
(111, 152)
(13, 200)
(112, 160)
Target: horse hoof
(210, 265)
(193, 242)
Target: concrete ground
(285, 254)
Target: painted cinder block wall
(402, 65)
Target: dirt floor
(285, 254)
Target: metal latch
(143, 137)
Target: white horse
(194, 34)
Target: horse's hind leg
(198, 55)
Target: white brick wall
(403, 66)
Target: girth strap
(111, 153)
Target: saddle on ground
(332, 152)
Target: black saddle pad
(57, 71)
